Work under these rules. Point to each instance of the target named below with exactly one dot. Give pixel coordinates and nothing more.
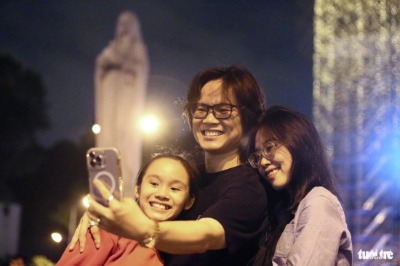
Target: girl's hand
(123, 218)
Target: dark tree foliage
(48, 182)
(23, 111)
(50, 195)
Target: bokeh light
(96, 129)
(149, 124)
(57, 237)
(85, 202)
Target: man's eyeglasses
(268, 152)
(220, 111)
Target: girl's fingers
(82, 232)
(74, 239)
(94, 230)
(106, 194)
(99, 213)
(95, 210)
(82, 227)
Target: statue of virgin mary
(121, 77)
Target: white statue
(121, 77)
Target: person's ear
(189, 203)
(137, 189)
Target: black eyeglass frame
(217, 114)
(267, 152)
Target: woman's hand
(123, 218)
(80, 233)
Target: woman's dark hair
(236, 81)
(183, 157)
(310, 167)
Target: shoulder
(322, 201)
(321, 194)
(238, 186)
(233, 176)
(244, 172)
(246, 177)
(128, 251)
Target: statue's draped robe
(121, 77)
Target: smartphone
(105, 164)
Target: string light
(357, 92)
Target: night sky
(60, 40)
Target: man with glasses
(222, 107)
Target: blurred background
(339, 63)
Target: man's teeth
(272, 172)
(212, 133)
(160, 206)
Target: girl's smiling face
(277, 168)
(165, 190)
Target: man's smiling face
(217, 136)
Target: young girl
(163, 189)
(307, 224)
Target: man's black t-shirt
(237, 199)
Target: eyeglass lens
(220, 111)
(268, 150)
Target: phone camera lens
(92, 154)
(99, 160)
(95, 160)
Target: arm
(179, 237)
(187, 237)
(319, 227)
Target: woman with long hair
(307, 224)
